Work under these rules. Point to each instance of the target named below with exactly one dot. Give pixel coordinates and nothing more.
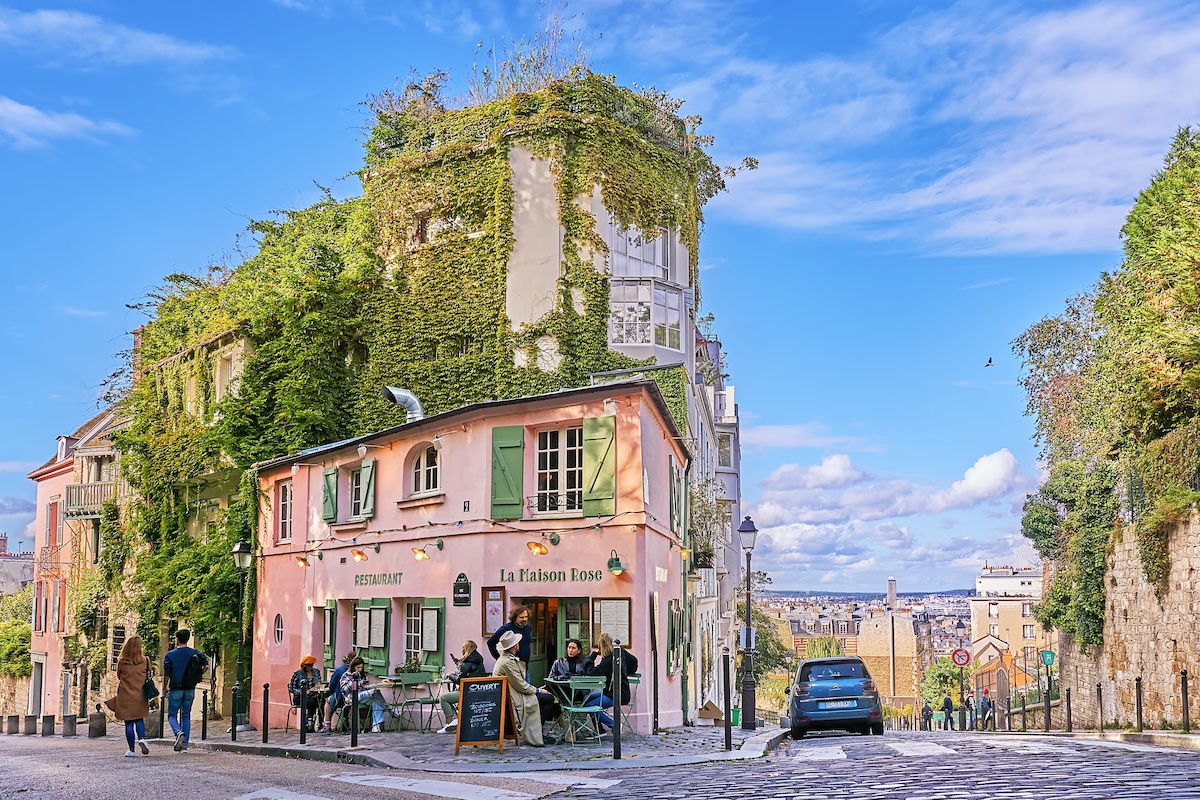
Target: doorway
(542, 648)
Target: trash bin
(735, 717)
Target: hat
(508, 640)
(307, 660)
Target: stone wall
(14, 695)
(1143, 636)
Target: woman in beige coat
(524, 695)
(129, 704)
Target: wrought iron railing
(50, 560)
(87, 498)
(570, 500)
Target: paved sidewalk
(433, 752)
(1186, 741)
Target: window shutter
(376, 657)
(368, 488)
(329, 495)
(433, 661)
(508, 459)
(674, 500)
(330, 635)
(599, 467)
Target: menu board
(612, 617)
(482, 705)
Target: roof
(91, 427)
(449, 417)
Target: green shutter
(674, 516)
(330, 635)
(599, 467)
(376, 658)
(433, 661)
(329, 495)
(508, 464)
(368, 488)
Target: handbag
(149, 690)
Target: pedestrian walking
(985, 710)
(926, 717)
(130, 704)
(948, 710)
(184, 667)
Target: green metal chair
(578, 719)
(635, 680)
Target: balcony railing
(84, 499)
(50, 560)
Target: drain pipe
(405, 398)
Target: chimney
(891, 598)
(3, 544)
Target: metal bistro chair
(634, 681)
(416, 696)
(579, 720)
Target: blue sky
(934, 178)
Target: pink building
(402, 544)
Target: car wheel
(798, 733)
(877, 729)
(864, 730)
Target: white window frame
(667, 322)
(645, 312)
(632, 255)
(285, 504)
(426, 476)
(412, 630)
(993, 611)
(724, 449)
(1026, 609)
(994, 630)
(558, 471)
(354, 492)
(1029, 632)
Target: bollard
(1137, 696)
(97, 724)
(14, 724)
(618, 682)
(267, 707)
(1024, 702)
(354, 716)
(47, 725)
(234, 717)
(1187, 728)
(69, 724)
(1099, 709)
(1068, 702)
(1046, 706)
(30, 725)
(728, 703)
(203, 714)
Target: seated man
(356, 682)
(302, 688)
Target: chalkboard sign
(485, 713)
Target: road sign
(960, 657)
(1048, 658)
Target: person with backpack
(184, 667)
(948, 712)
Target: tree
(942, 679)
(824, 647)
(16, 609)
(770, 653)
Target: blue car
(835, 694)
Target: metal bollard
(1024, 703)
(728, 703)
(203, 714)
(48, 725)
(1046, 705)
(69, 725)
(1137, 694)
(14, 724)
(267, 708)
(354, 716)
(1068, 702)
(30, 725)
(1187, 728)
(234, 716)
(1099, 708)
(618, 682)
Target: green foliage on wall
(824, 647)
(1114, 383)
(404, 286)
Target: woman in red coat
(129, 704)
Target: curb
(753, 747)
(1181, 741)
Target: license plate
(838, 704)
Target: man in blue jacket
(184, 667)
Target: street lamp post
(748, 533)
(241, 559)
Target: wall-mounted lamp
(296, 467)
(420, 554)
(614, 564)
(362, 449)
(303, 558)
(438, 442)
(539, 548)
(610, 408)
(686, 553)
(359, 555)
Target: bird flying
(989, 363)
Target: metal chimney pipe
(403, 397)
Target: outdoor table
(414, 690)
(576, 718)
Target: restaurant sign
(378, 579)
(551, 575)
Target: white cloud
(804, 435)
(59, 36)
(72, 311)
(835, 470)
(16, 507)
(26, 126)
(17, 466)
(992, 476)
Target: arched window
(425, 474)
(278, 629)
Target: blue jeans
(378, 706)
(179, 711)
(605, 702)
(130, 727)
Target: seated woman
(601, 665)
(336, 699)
(303, 688)
(572, 665)
(525, 696)
(469, 666)
(357, 681)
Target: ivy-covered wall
(403, 286)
